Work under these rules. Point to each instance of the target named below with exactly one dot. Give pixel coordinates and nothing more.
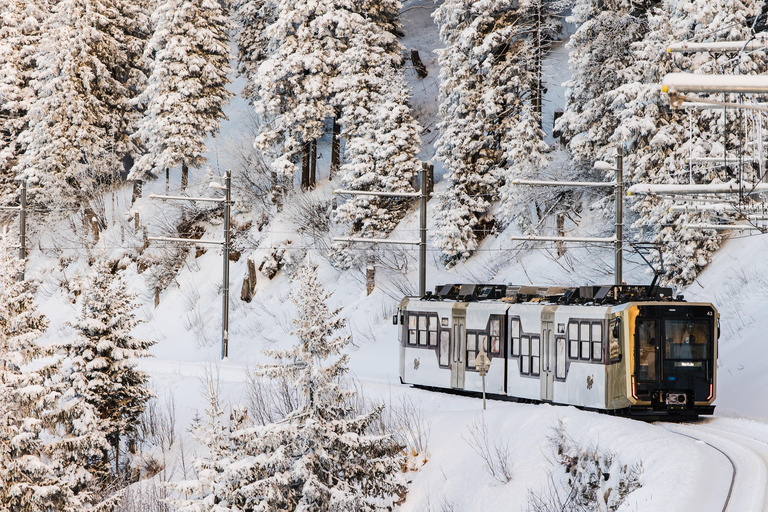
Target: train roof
(579, 295)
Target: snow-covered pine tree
(491, 108)
(19, 32)
(320, 457)
(78, 125)
(382, 138)
(659, 140)
(29, 479)
(198, 495)
(103, 358)
(599, 52)
(186, 91)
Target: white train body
(573, 354)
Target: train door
(458, 352)
(547, 350)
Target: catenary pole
(225, 298)
(423, 242)
(619, 214)
(23, 227)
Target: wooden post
(136, 223)
(251, 275)
(370, 278)
(157, 297)
(184, 176)
(313, 165)
(167, 181)
(560, 232)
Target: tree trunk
(184, 176)
(136, 191)
(419, 66)
(167, 181)
(313, 165)
(305, 166)
(335, 147)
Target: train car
(627, 350)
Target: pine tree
(320, 457)
(657, 140)
(19, 33)
(382, 139)
(81, 117)
(491, 108)
(186, 91)
(29, 479)
(103, 359)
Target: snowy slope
(680, 473)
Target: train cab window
(614, 345)
(560, 357)
(412, 332)
(646, 349)
(422, 330)
(687, 340)
(495, 348)
(535, 359)
(471, 350)
(445, 347)
(584, 339)
(515, 334)
(597, 341)
(525, 350)
(573, 340)
(432, 331)
(482, 342)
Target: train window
(584, 338)
(535, 355)
(573, 340)
(432, 331)
(445, 347)
(412, 336)
(525, 350)
(471, 350)
(444, 322)
(515, 337)
(614, 347)
(560, 362)
(646, 349)
(422, 330)
(482, 342)
(597, 341)
(687, 339)
(495, 348)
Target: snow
(679, 473)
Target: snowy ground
(680, 473)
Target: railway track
(743, 445)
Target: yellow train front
(629, 350)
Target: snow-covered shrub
(283, 257)
(585, 478)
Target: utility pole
(618, 185)
(22, 224)
(225, 295)
(619, 214)
(422, 243)
(227, 201)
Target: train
(630, 350)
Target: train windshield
(687, 340)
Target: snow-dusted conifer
(81, 116)
(103, 358)
(320, 457)
(491, 119)
(658, 140)
(382, 139)
(213, 433)
(30, 479)
(19, 32)
(186, 91)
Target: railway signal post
(482, 365)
